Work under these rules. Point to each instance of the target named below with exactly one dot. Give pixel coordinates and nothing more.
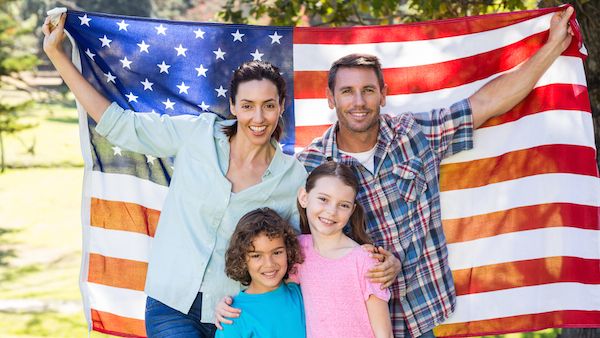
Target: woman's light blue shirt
(200, 213)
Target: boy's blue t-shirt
(278, 313)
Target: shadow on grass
(73, 120)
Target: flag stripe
(420, 52)
(115, 215)
(127, 188)
(545, 159)
(526, 273)
(411, 32)
(532, 244)
(121, 302)
(120, 244)
(541, 189)
(112, 324)
(122, 273)
(525, 300)
(520, 219)
(532, 322)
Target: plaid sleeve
(449, 130)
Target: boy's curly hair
(256, 222)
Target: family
(343, 240)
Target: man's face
(357, 98)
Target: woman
(223, 169)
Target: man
(397, 160)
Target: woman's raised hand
(54, 35)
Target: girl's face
(267, 264)
(329, 205)
(257, 110)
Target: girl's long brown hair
(356, 223)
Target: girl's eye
(322, 199)
(346, 206)
(254, 256)
(278, 252)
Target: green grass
(46, 324)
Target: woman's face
(257, 110)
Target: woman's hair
(356, 224)
(251, 225)
(257, 70)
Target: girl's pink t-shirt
(335, 292)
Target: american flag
(521, 211)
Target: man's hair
(251, 225)
(355, 61)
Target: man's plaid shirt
(402, 203)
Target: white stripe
(524, 245)
(311, 57)
(120, 244)
(314, 112)
(531, 190)
(127, 188)
(526, 300)
(121, 302)
(550, 127)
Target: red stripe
(526, 273)
(520, 219)
(532, 322)
(112, 324)
(305, 135)
(547, 159)
(413, 31)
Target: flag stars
(84, 20)
(122, 25)
(169, 104)
(275, 38)
(201, 70)
(131, 97)
(105, 41)
(221, 91)
(143, 47)
(125, 63)
(199, 33)
(180, 50)
(257, 55)
(237, 36)
(89, 53)
(161, 30)
(204, 106)
(117, 151)
(147, 84)
(219, 54)
(150, 159)
(164, 68)
(110, 77)
(183, 89)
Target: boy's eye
(278, 252)
(253, 255)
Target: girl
(262, 252)
(339, 299)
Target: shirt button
(386, 214)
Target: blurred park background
(41, 163)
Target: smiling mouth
(270, 275)
(257, 129)
(326, 221)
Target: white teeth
(258, 129)
(270, 274)
(325, 220)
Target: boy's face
(267, 264)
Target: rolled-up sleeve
(146, 133)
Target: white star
(257, 56)
(161, 29)
(219, 54)
(199, 33)
(164, 68)
(201, 70)
(122, 25)
(105, 41)
(168, 104)
(221, 91)
(183, 88)
(237, 36)
(117, 151)
(131, 97)
(275, 38)
(204, 106)
(150, 159)
(143, 46)
(110, 77)
(84, 20)
(89, 53)
(180, 50)
(126, 63)
(147, 84)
